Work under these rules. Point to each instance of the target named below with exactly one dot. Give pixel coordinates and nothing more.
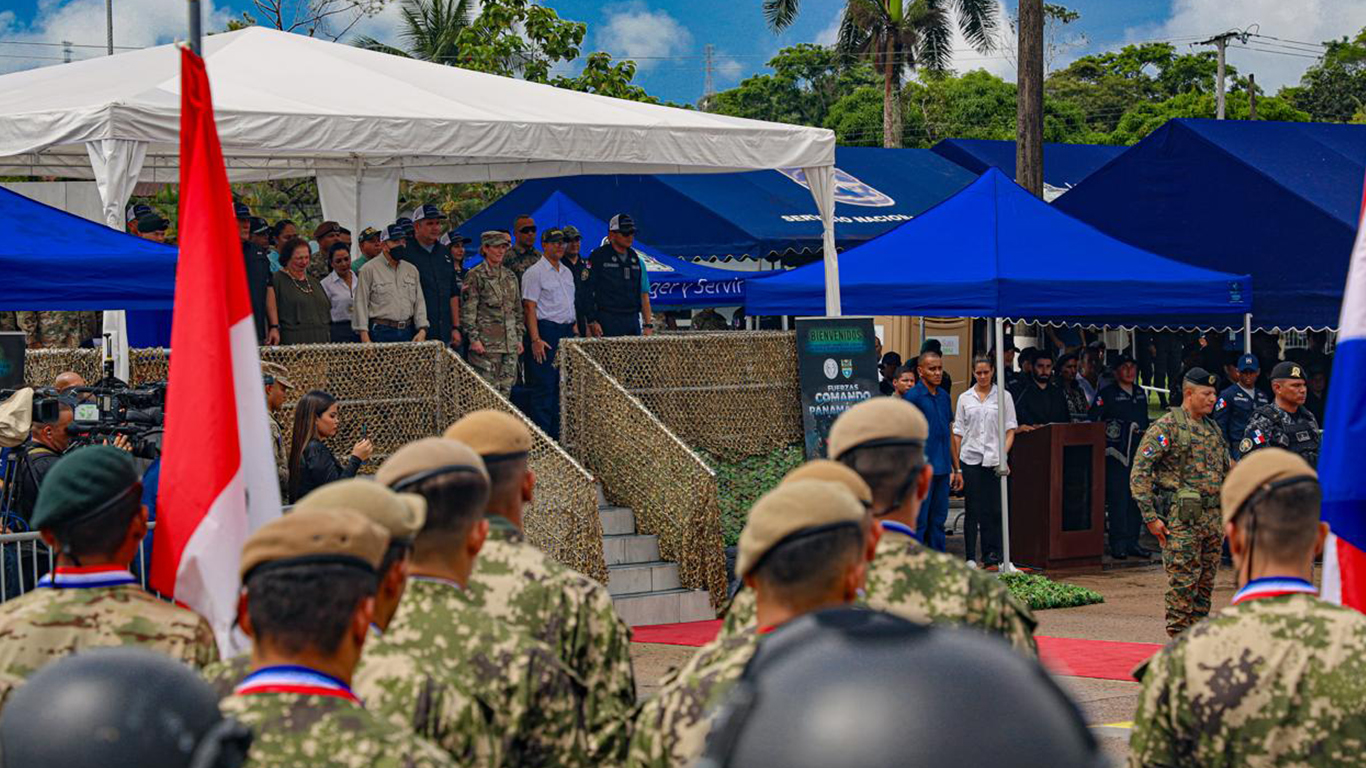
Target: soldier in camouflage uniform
(515, 582)
(883, 441)
(308, 579)
(523, 253)
(275, 377)
(1278, 678)
(1285, 423)
(804, 548)
(58, 330)
(491, 315)
(1181, 463)
(90, 512)
(485, 691)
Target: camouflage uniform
(517, 583)
(277, 440)
(491, 314)
(1176, 476)
(519, 261)
(927, 587)
(58, 330)
(671, 728)
(51, 623)
(482, 690)
(224, 675)
(709, 320)
(9, 321)
(1296, 432)
(1276, 681)
(292, 729)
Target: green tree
(980, 105)
(604, 78)
(1105, 86)
(1145, 118)
(430, 29)
(1334, 89)
(806, 83)
(856, 118)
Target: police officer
(1286, 422)
(492, 316)
(1123, 406)
(259, 285)
(1236, 403)
(152, 226)
(1276, 677)
(523, 252)
(618, 292)
(1175, 481)
(578, 264)
(440, 291)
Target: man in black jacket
(437, 269)
(258, 276)
(618, 288)
(1041, 401)
(45, 445)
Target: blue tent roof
(53, 260)
(1064, 165)
(1277, 200)
(994, 250)
(755, 213)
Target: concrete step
(668, 607)
(625, 549)
(643, 577)
(617, 520)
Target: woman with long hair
(311, 462)
(977, 442)
(1078, 407)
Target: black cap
(453, 237)
(259, 226)
(426, 211)
(241, 211)
(137, 211)
(1124, 357)
(395, 232)
(622, 223)
(152, 222)
(370, 233)
(1287, 370)
(1201, 377)
(891, 358)
(552, 236)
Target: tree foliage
(1106, 86)
(1334, 89)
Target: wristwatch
(651, 326)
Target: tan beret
(888, 419)
(492, 433)
(428, 457)
(833, 472)
(1257, 470)
(277, 372)
(792, 508)
(495, 237)
(335, 536)
(401, 514)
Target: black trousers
(982, 512)
(619, 323)
(1120, 508)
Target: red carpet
(1100, 659)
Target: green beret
(82, 482)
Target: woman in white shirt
(977, 443)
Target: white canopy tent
(291, 106)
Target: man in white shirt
(340, 287)
(548, 300)
(977, 444)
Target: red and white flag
(218, 480)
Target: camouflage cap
(495, 237)
(370, 233)
(1287, 370)
(316, 536)
(401, 514)
(493, 434)
(428, 457)
(84, 483)
(1258, 470)
(275, 373)
(879, 421)
(571, 232)
(832, 472)
(792, 510)
(1200, 378)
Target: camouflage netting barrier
(399, 393)
(700, 426)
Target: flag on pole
(218, 480)
(1344, 432)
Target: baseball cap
(259, 226)
(1256, 471)
(879, 421)
(1287, 370)
(241, 211)
(552, 236)
(892, 358)
(1124, 358)
(453, 237)
(152, 222)
(369, 233)
(791, 511)
(426, 211)
(275, 373)
(571, 232)
(137, 211)
(1249, 363)
(622, 223)
(495, 237)
(395, 232)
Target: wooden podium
(1057, 496)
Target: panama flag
(218, 479)
(1344, 432)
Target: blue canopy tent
(1277, 200)
(751, 214)
(1064, 165)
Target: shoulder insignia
(1245, 446)
(1162, 440)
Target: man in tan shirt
(389, 304)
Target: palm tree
(430, 29)
(898, 35)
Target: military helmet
(852, 686)
(118, 708)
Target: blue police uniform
(1232, 412)
(1126, 419)
(938, 411)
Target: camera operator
(46, 443)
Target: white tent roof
(289, 105)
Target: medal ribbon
(87, 577)
(294, 679)
(1274, 586)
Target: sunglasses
(527, 230)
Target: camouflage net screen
(399, 393)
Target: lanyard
(87, 577)
(294, 679)
(1273, 586)
(438, 580)
(892, 525)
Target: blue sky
(667, 37)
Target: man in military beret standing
(1237, 403)
(90, 513)
(1279, 676)
(1175, 481)
(491, 315)
(1285, 423)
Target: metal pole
(1247, 333)
(1001, 394)
(109, 24)
(195, 31)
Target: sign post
(837, 364)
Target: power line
(68, 45)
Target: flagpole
(195, 31)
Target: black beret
(1287, 370)
(1201, 377)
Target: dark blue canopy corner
(1064, 165)
(994, 250)
(54, 260)
(1277, 200)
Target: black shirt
(1126, 419)
(579, 268)
(258, 280)
(318, 467)
(437, 269)
(31, 467)
(613, 282)
(1036, 406)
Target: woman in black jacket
(311, 463)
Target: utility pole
(1252, 97)
(109, 24)
(66, 51)
(1220, 42)
(1029, 99)
(709, 83)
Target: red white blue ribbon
(294, 679)
(87, 577)
(1273, 586)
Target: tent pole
(195, 33)
(360, 172)
(1001, 394)
(1247, 333)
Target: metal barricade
(25, 558)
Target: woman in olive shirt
(298, 306)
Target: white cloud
(831, 33)
(729, 70)
(633, 31)
(999, 61)
(137, 23)
(383, 26)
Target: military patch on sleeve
(1221, 405)
(1245, 446)
(1258, 437)
(1162, 440)
(1099, 401)
(1148, 451)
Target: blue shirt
(939, 413)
